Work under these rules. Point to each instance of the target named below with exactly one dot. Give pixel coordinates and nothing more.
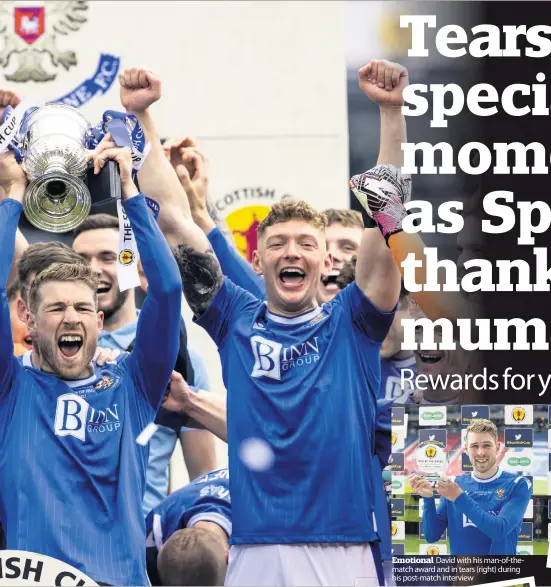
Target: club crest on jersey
(106, 382)
(75, 417)
(272, 358)
(500, 493)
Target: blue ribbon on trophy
(125, 132)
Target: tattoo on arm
(201, 276)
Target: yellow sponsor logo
(519, 414)
(430, 452)
(126, 257)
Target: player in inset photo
(482, 510)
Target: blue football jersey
(391, 380)
(485, 519)
(206, 499)
(72, 476)
(301, 409)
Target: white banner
(127, 260)
(18, 567)
(12, 124)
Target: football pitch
(413, 543)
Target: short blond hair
(482, 425)
(348, 218)
(288, 209)
(69, 272)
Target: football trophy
(54, 151)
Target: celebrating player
(72, 475)
(187, 534)
(482, 510)
(288, 424)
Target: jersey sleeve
(510, 516)
(365, 316)
(230, 302)
(236, 267)
(211, 508)
(157, 335)
(435, 520)
(10, 211)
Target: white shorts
(298, 565)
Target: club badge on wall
(29, 51)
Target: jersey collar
(27, 362)
(300, 319)
(496, 476)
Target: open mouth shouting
(292, 278)
(69, 345)
(103, 288)
(330, 282)
(430, 357)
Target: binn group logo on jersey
(272, 358)
(75, 417)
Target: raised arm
(376, 272)
(199, 269)
(153, 358)
(186, 158)
(11, 98)
(383, 191)
(12, 187)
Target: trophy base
(56, 202)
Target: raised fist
(107, 149)
(139, 89)
(383, 82)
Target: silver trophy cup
(55, 160)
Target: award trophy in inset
(430, 460)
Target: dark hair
(40, 256)
(348, 218)
(193, 556)
(96, 222)
(12, 290)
